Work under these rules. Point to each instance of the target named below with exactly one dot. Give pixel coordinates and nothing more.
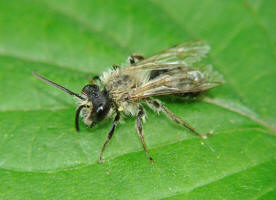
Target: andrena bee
(174, 71)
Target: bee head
(98, 102)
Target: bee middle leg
(94, 79)
(157, 106)
(97, 78)
(110, 134)
(135, 56)
(114, 67)
(139, 128)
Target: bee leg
(110, 133)
(139, 128)
(91, 125)
(135, 56)
(156, 105)
(77, 116)
(115, 67)
(95, 79)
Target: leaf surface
(42, 157)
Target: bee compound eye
(90, 89)
(85, 89)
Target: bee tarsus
(91, 125)
(140, 116)
(114, 67)
(110, 134)
(132, 58)
(96, 78)
(160, 107)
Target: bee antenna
(57, 86)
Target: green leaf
(41, 155)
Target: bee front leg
(91, 125)
(135, 56)
(110, 134)
(139, 128)
(157, 106)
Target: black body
(100, 101)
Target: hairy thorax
(118, 83)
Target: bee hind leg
(157, 106)
(139, 128)
(135, 56)
(110, 134)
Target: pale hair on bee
(178, 70)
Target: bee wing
(182, 55)
(179, 81)
(176, 70)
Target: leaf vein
(76, 167)
(232, 109)
(221, 178)
(88, 26)
(260, 24)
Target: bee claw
(204, 136)
(210, 133)
(207, 135)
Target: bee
(178, 70)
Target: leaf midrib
(203, 184)
(251, 117)
(158, 146)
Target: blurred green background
(41, 155)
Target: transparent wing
(176, 70)
(182, 55)
(179, 81)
